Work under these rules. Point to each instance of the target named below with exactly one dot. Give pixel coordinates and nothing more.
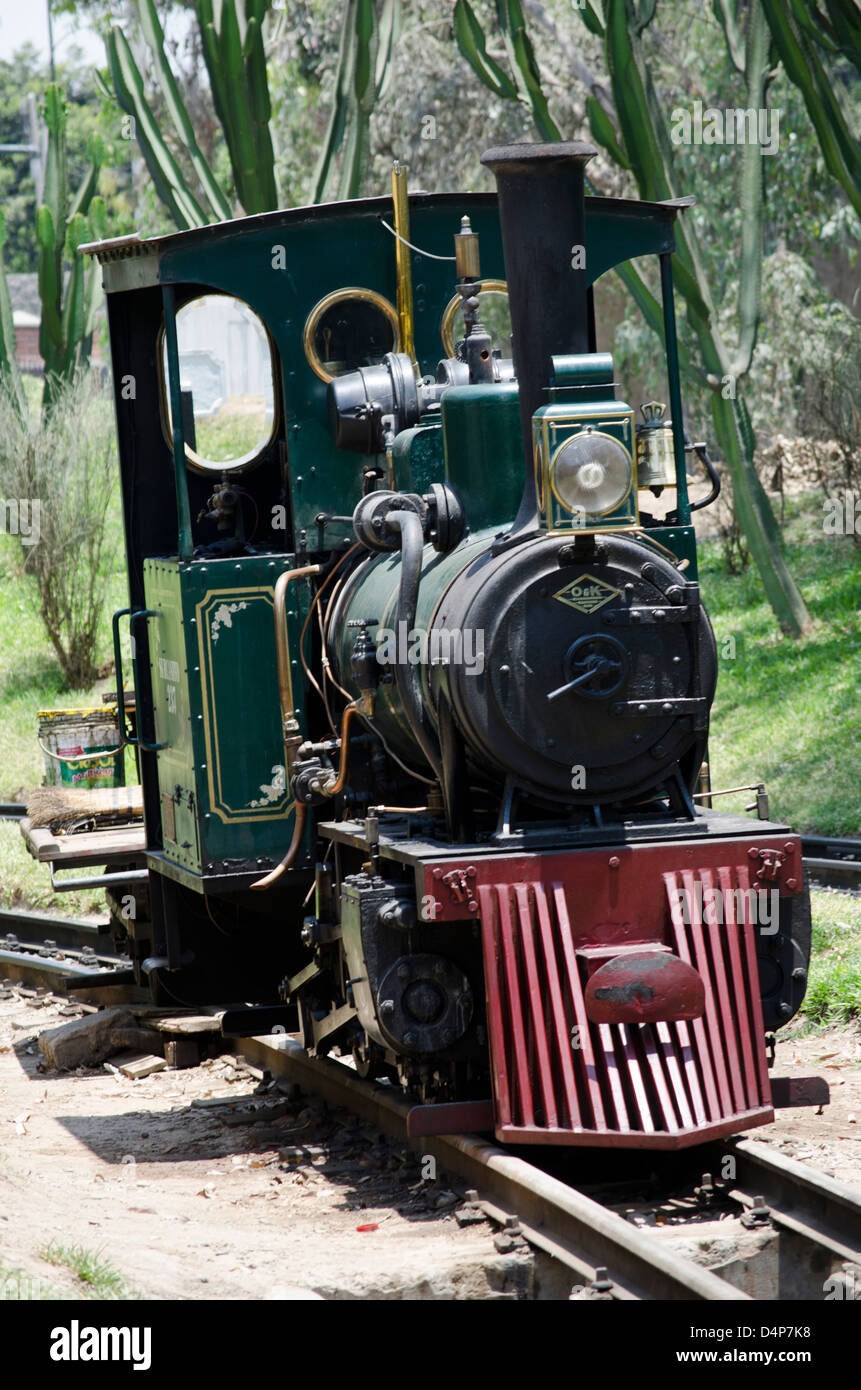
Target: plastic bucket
(81, 747)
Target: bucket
(81, 747)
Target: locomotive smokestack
(543, 219)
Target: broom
(70, 808)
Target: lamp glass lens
(592, 473)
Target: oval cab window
(226, 379)
(495, 315)
(348, 329)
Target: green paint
(215, 695)
(483, 451)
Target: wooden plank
(120, 844)
(188, 1024)
(139, 1065)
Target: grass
(99, 1278)
(788, 713)
(30, 680)
(834, 988)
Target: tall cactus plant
(10, 376)
(801, 29)
(639, 140)
(70, 298)
(364, 75)
(233, 48)
(69, 304)
(236, 62)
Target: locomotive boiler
(424, 687)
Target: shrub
(59, 486)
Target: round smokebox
(599, 667)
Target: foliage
(19, 74)
(70, 298)
(97, 1275)
(24, 72)
(834, 987)
(811, 40)
(69, 305)
(634, 129)
(364, 73)
(233, 38)
(63, 463)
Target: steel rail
(62, 953)
(801, 1199)
(567, 1225)
(36, 928)
(832, 861)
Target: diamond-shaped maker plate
(587, 594)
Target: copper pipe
(298, 833)
(343, 769)
(288, 719)
(302, 809)
(285, 683)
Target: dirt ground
(185, 1204)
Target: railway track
(836, 863)
(816, 1219)
(61, 953)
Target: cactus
(640, 142)
(797, 28)
(232, 40)
(523, 83)
(364, 72)
(10, 376)
(68, 311)
(236, 62)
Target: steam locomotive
(422, 679)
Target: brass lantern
(656, 463)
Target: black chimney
(543, 219)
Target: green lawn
(789, 713)
(30, 680)
(834, 989)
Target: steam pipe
(301, 815)
(543, 219)
(406, 676)
(289, 727)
